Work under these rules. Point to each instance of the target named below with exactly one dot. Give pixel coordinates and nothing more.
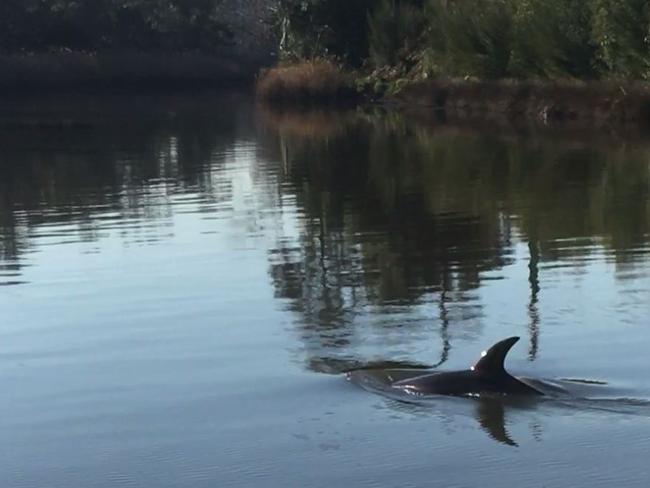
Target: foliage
(552, 39)
(393, 29)
(41, 25)
(543, 39)
(548, 39)
(470, 37)
(621, 30)
(310, 29)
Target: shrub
(308, 80)
(552, 39)
(323, 28)
(51, 25)
(391, 27)
(621, 31)
(470, 37)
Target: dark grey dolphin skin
(488, 375)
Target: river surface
(183, 280)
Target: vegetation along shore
(549, 60)
(125, 44)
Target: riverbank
(319, 82)
(594, 103)
(583, 103)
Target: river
(184, 278)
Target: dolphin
(487, 383)
(488, 375)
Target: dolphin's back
(447, 383)
(465, 382)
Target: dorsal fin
(492, 360)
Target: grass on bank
(316, 80)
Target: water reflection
(199, 258)
(533, 312)
(490, 414)
(400, 214)
(374, 222)
(76, 170)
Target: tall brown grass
(306, 81)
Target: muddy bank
(592, 104)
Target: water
(185, 278)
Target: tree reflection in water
(398, 223)
(398, 214)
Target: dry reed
(305, 81)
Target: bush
(552, 39)
(470, 37)
(91, 25)
(309, 29)
(309, 80)
(621, 31)
(392, 26)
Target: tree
(41, 25)
(552, 38)
(621, 30)
(470, 37)
(392, 26)
(330, 28)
